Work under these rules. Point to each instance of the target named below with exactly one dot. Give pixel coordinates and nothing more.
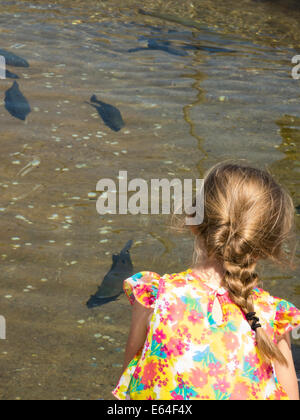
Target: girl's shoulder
(144, 286)
(282, 314)
(264, 297)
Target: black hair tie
(251, 317)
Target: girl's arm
(286, 375)
(138, 331)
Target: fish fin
(127, 246)
(94, 98)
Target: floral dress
(187, 355)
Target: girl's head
(247, 217)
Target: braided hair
(248, 217)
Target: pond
(197, 83)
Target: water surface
(183, 112)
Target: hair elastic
(250, 316)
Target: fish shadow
(112, 285)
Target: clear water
(182, 112)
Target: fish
(110, 115)
(16, 103)
(172, 18)
(10, 75)
(12, 59)
(166, 46)
(112, 285)
(162, 46)
(208, 48)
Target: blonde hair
(247, 217)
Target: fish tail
(127, 246)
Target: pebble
(103, 231)
(119, 350)
(53, 217)
(20, 217)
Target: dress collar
(213, 288)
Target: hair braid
(240, 279)
(248, 216)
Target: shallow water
(183, 112)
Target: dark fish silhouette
(208, 49)
(173, 18)
(14, 60)
(110, 115)
(161, 46)
(16, 103)
(166, 47)
(10, 75)
(112, 286)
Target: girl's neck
(211, 271)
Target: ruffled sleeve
(287, 317)
(142, 287)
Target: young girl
(210, 332)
